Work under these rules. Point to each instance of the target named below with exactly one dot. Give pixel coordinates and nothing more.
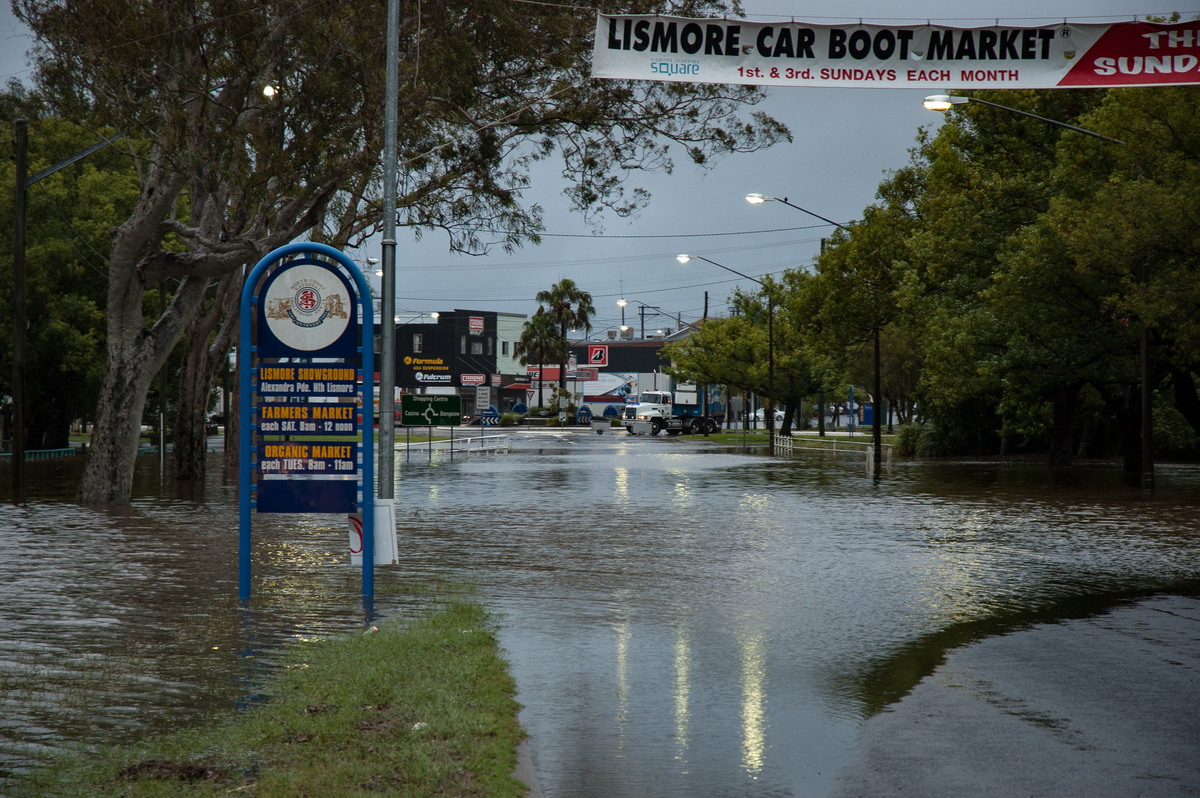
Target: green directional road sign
(430, 410)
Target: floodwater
(681, 619)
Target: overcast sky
(845, 141)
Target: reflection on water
(115, 622)
(681, 619)
(758, 609)
(754, 703)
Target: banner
(896, 57)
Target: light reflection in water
(754, 701)
(621, 484)
(623, 633)
(681, 620)
(683, 689)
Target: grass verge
(425, 708)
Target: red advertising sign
(475, 324)
(473, 379)
(597, 355)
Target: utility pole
(21, 142)
(387, 305)
(18, 380)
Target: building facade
(468, 353)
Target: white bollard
(387, 550)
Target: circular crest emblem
(307, 307)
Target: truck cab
(659, 409)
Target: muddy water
(681, 620)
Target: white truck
(678, 408)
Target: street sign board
(305, 367)
(430, 410)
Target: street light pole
(944, 102)
(387, 307)
(877, 429)
(770, 408)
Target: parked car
(761, 415)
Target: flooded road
(681, 619)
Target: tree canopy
(227, 173)
(1009, 268)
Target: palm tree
(569, 307)
(539, 343)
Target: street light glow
(943, 102)
(757, 199)
(268, 90)
(683, 257)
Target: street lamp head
(683, 257)
(943, 102)
(621, 302)
(269, 90)
(757, 199)
(372, 261)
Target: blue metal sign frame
(271, 265)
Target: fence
(44, 454)
(836, 447)
(467, 444)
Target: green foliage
(228, 172)
(69, 216)
(540, 343)
(908, 438)
(1004, 264)
(570, 307)
(420, 709)
(510, 419)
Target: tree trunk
(1062, 432)
(195, 387)
(1124, 402)
(134, 357)
(108, 474)
(203, 361)
(232, 420)
(1187, 401)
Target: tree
(721, 351)
(68, 217)
(540, 343)
(569, 307)
(228, 174)
(969, 195)
(206, 347)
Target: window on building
(504, 348)
(462, 344)
(477, 347)
(418, 344)
(490, 346)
